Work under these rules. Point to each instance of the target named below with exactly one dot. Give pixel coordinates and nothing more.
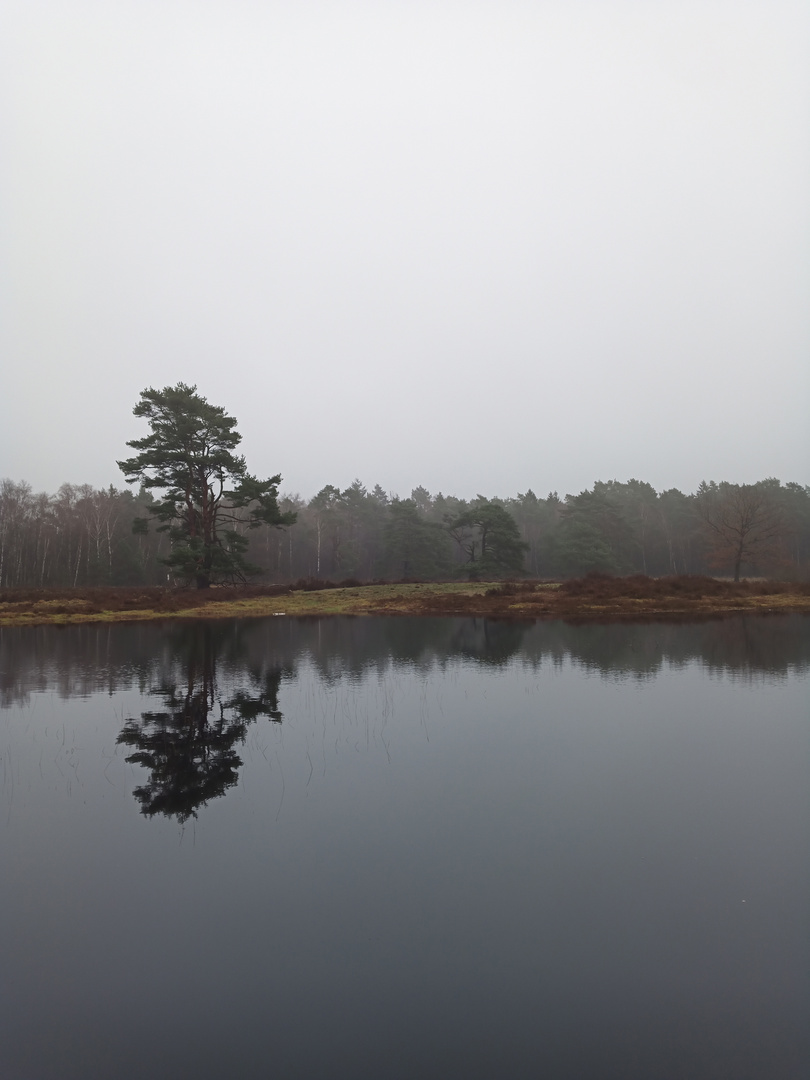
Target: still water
(383, 848)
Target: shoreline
(587, 599)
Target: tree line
(82, 536)
(212, 521)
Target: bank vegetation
(596, 596)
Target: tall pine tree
(208, 497)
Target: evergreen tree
(578, 548)
(489, 538)
(414, 547)
(209, 498)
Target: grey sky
(476, 246)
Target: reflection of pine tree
(189, 747)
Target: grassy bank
(594, 597)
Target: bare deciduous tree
(742, 522)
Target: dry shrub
(312, 584)
(596, 586)
(512, 588)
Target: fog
(480, 247)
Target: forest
(83, 536)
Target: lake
(366, 847)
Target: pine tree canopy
(207, 499)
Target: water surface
(400, 847)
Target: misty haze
(404, 539)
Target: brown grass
(594, 597)
(115, 603)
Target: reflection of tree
(490, 641)
(189, 747)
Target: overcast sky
(480, 247)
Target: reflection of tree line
(341, 647)
(216, 679)
(189, 747)
(84, 660)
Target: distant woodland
(84, 536)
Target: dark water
(405, 848)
